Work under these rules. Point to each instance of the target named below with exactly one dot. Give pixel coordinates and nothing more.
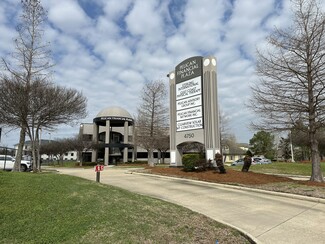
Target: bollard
(98, 176)
(98, 168)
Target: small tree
(81, 143)
(262, 143)
(284, 146)
(152, 117)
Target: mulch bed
(231, 177)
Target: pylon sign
(193, 106)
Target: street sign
(99, 168)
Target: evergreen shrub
(190, 161)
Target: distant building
(27, 152)
(232, 152)
(113, 132)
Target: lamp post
(38, 151)
(291, 148)
(50, 156)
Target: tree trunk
(21, 144)
(38, 155)
(163, 157)
(150, 158)
(35, 139)
(36, 168)
(316, 174)
(80, 158)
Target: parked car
(238, 162)
(259, 160)
(266, 161)
(7, 162)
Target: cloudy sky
(109, 49)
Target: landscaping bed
(248, 179)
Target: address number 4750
(189, 135)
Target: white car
(238, 162)
(7, 162)
(259, 160)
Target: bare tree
(31, 102)
(292, 76)
(48, 106)
(30, 60)
(226, 136)
(51, 105)
(162, 143)
(224, 126)
(81, 143)
(152, 116)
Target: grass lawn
(283, 168)
(52, 208)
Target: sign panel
(189, 88)
(189, 68)
(99, 168)
(190, 113)
(114, 118)
(189, 102)
(192, 124)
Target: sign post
(98, 168)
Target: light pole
(291, 148)
(50, 156)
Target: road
(266, 218)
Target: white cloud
(108, 49)
(144, 21)
(202, 24)
(116, 11)
(106, 28)
(68, 16)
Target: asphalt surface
(263, 216)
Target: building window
(87, 137)
(116, 138)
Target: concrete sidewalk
(266, 218)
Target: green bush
(137, 162)
(190, 161)
(91, 164)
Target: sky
(109, 49)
